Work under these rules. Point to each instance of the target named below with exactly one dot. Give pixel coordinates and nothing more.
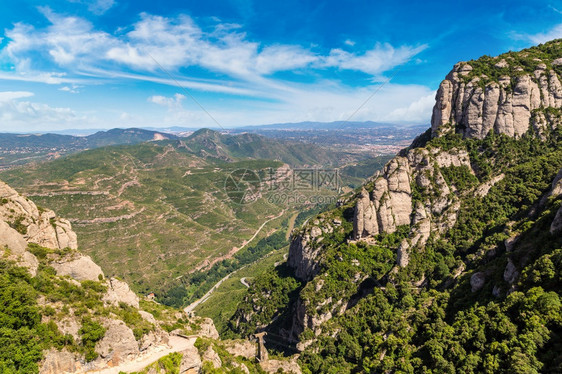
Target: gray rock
(82, 268)
(477, 281)
(42, 226)
(190, 361)
(119, 292)
(556, 225)
(475, 111)
(211, 356)
(118, 344)
(57, 362)
(510, 273)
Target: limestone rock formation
(477, 281)
(504, 106)
(208, 329)
(190, 361)
(81, 268)
(118, 343)
(56, 362)
(391, 203)
(119, 292)
(37, 225)
(213, 357)
(303, 253)
(16, 247)
(243, 348)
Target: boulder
(213, 357)
(208, 329)
(477, 281)
(190, 361)
(57, 362)
(119, 292)
(81, 268)
(15, 246)
(118, 343)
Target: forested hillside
(448, 261)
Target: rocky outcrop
(81, 268)
(119, 292)
(208, 329)
(118, 343)
(477, 281)
(278, 366)
(190, 361)
(15, 248)
(554, 193)
(243, 348)
(556, 225)
(22, 223)
(211, 356)
(56, 362)
(38, 226)
(391, 203)
(305, 249)
(478, 106)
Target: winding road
(191, 307)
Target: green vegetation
(22, 335)
(518, 63)
(222, 304)
(91, 332)
(427, 317)
(163, 206)
(169, 364)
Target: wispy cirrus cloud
(553, 33)
(173, 43)
(18, 115)
(97, 7)
(72, 51)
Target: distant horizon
(173, 129)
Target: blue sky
(116, 63)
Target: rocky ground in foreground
(62, 315)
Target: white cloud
(554, 33)
(172, 43)
(381, 58)
(415, 111)
(23, 116)
(349, 42)
(170, 102)
(13, 95)
(97, 7)
(71, 42)
(85, 55)
(70, 89)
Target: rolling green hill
(160, 214)
(20, 149)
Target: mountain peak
(506, 94)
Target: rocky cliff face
(39, 226)
(512, 95)
(475, 105)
